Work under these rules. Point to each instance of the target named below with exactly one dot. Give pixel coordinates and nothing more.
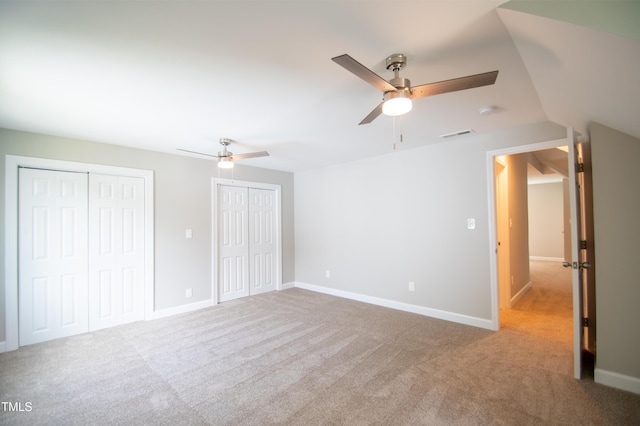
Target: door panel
(116, 212)
(262, 228)
(587, 255)
(52, 254)
(233, 244)
(577, 276)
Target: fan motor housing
(400, 83)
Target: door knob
(566, 264)
(585, 265)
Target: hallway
(545, 314)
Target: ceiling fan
(225, 157)
(398, 93)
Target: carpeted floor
(302, 358)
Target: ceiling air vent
(458, 133)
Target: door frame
(502, 230)
(12, 164)
(215, 182)
(495, 291)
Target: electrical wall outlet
(188, 293)
(412, 286)
(327, 273)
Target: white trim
(290, 284)
(617, 380)
(521, 293)
(401, 306)
(493, 226)
(215, 182)
(546, 259)
(182, 309)
(12, 163)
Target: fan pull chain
(400, 136)
(393, 134)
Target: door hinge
(585, 322)
(579, 167)
(583, 244)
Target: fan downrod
(395, 63)
(225, 142)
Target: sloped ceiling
(181, 74)
(581, 73)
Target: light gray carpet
(301, 358)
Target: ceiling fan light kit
(225, 163)
(397, 103)
(398, 90)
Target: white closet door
(116, 250)
(52, 284)
(233, 244)
(262, 244)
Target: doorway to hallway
(516, 216)
(545, 313)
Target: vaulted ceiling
(180, 74)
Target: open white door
(578, 262)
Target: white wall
(378, 223)
(546, 221)
(182, 201)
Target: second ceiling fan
(398, 93)
(226, 157)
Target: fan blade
(350, 64)
(196, 152)
(372, 115)
(455, 84)
(235, 157)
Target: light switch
(188, 233)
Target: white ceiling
(180, 74)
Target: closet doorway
(78, 248)
(247, 239)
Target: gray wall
(182, 200)
(546, 220)
(616, 209)
(381, 222)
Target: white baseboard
(617, 380)
(521, 293)
(547, 259)
(290, 284)
(407, 307)
(182, 309)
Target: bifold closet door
(81, 253)
(247, 241)
(116, 250)
(52, 254)
(262, 240)
(233, 242)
